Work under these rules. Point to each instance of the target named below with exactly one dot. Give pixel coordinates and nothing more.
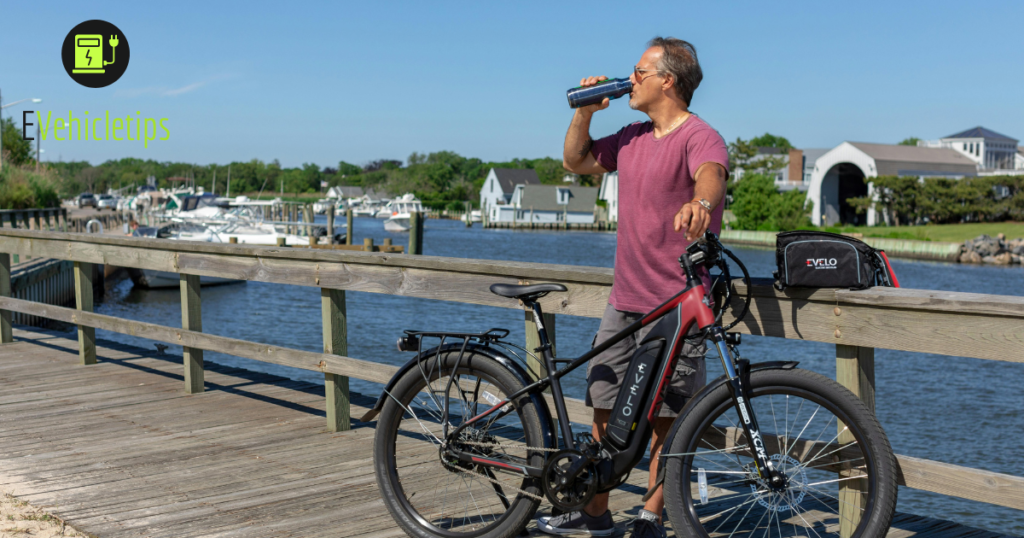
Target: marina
(229, 338)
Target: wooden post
(83, 301)
(387, 241)
(332, 304)
(416, 232)
(330, 224)
(855, 370)
(6, 333)
(281, 242)
(349, 225)
(192, 320)
(233, 240)
(307, 216)
(368, 244)
(536, 365)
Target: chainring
(576, 493)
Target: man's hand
(576, 155)
(592, 81)
(694, 218)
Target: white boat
(472, 216)
(177, 231)
(400, 208)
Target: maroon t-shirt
(655, 180)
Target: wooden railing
(960, 324)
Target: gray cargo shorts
(605, 371)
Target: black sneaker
(577, 523)
(646, 526)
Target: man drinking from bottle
(672, 176)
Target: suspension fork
(739, 387)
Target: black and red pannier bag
(827, 260)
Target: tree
(746, 156)
(911, 141)
(769, 140)
(346, 169)
(382, 164)
(898, 197)
(17, 151)
(752, 202)
(759, 206)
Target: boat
(177, 231)
(472, 216)
(400, 209)
(365, 206)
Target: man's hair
(679, 59)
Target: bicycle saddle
(525, 293)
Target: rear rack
(412, 341)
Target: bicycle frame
(674, 319)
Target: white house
(610, 194)
(839, 175)
(550, 203)
(498, 188)
(994, 153)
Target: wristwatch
(705, 203)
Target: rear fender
(697, 398)
(550, 440)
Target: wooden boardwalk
(118, 449)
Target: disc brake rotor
(794, 493)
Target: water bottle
(591, 95)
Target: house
(499, 186)
(550, 204)
(798, 164)
(609, 192)
(991, 151)
(844, 172)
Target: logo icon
(822, 263)
(95, 53)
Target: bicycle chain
(501, 445)
(493, 481)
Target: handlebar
(708, 252)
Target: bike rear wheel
(427, 493)
(840, 472)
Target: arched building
(839, 175)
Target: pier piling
(192, 320)
(83, 302)
(335, 328)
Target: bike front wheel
(429, 493)
(839, 470)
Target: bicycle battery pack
(634, 394)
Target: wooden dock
(119, 449)
(78, 399)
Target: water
(962, 411)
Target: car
(106, 201)
(86, 199)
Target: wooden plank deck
(119, 449)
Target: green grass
(953, 233)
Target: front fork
(738, 375)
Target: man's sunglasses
(639, 77)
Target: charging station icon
(90, 53)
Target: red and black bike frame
(673, 319)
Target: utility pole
(37, 142)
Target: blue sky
(323, 82)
